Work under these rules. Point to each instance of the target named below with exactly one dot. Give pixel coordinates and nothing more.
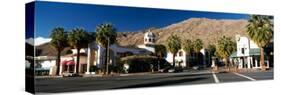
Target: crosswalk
(217, 79)
(252, 79)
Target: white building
(96, 53)
(94, 56)
(45, 64)
(149, 41)
(247, 54)
(181, 58)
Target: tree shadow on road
(163, 83)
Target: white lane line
(252, 79)
(215, 78)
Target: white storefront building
(182, 59)
(247, 54)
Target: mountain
(209, 30)
(47, 50)
(37, 41)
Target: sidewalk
(38, 77)
(129, 74)
(222, 69)
(190, 71)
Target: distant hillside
(48, 50)
(209, 30)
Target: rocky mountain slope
(209, 30)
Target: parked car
(166, 69)
(171, 69)
(199, 67)
(70, 75)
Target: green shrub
(94, 68)
(144, 63)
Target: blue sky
(49, 15)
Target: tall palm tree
(106, 36)
(59, 41)
(197, 45)
(174, 45)
(188, 48)
(78, 38)
(225, 48)
(260, 30)
(160, 52)
(211, 51)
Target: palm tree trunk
(262, 59)
(105, 61)
(187, 64)
(174, 60)
(225, 63)
(77, 60)
(228, 64)
(197, 57)
(58, 63)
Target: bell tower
(149, 38)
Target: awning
(70, 62)
(42, 69)
(255, 51)
(234, 54)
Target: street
(70, 84)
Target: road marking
(252, 79)
(215, 78)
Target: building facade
(94, 55)
(247, 54)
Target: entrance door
(84, 68)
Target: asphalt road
(70, 84)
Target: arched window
(180, 53)
(145, 39)
(149, 39)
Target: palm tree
(211, 51)
(225, 48)
(59, 41)
(106, 36)
(260, 30)
(197, 45)
(174, 45)
(188, 48)
(160, 52)
(78, 38)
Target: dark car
(171, 69)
